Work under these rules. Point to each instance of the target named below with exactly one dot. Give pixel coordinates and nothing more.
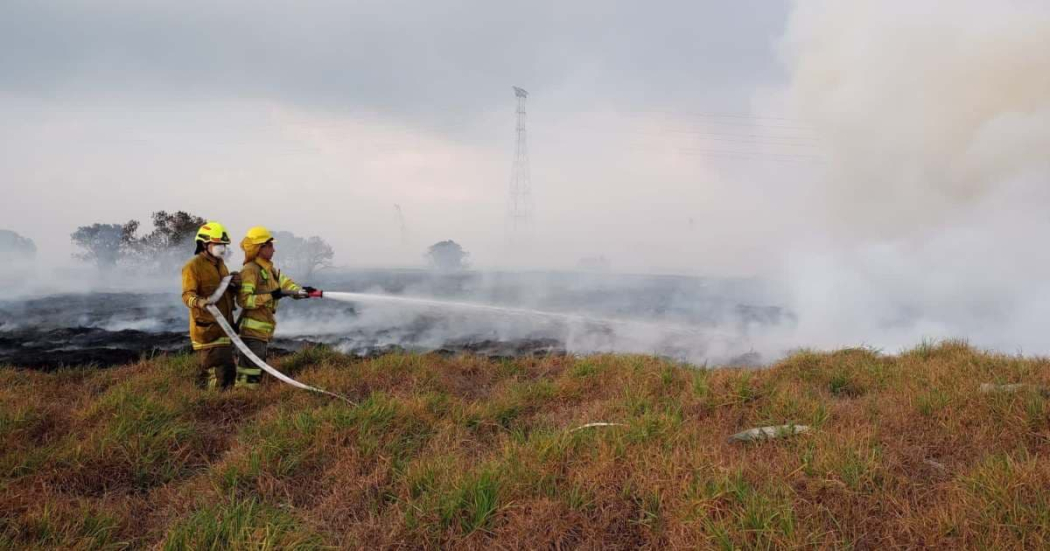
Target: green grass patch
(735, 514)
(240, 524)
(933, 401)
(53, 528)
(472, 503)
(309, 356)
(1008, 494)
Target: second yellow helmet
(258, 235)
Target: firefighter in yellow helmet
(263, 285)
(201, 277)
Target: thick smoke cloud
(933, 202)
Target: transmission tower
(401, 223)
(519, 202)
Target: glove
(235, 279)
(200, 302)
(309, 289)
(276, 294)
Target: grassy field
(469, 453)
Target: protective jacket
(258, 279)
(201, 276)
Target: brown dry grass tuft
(469, 453)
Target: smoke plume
(930, 215)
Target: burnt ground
(51, 349)
(106, 329)
(54, 348)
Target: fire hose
(259, 362)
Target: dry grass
(468, 453)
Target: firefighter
(262, 286)
(201, 276)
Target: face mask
(218, 251)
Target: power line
(735, 119)
(758, 138)
(746, 153)
(698, 114)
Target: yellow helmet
(212, 232)
(258, 235)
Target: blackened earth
(105, 329)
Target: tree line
(171, 240)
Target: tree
(166, 246)
(104, 244)
(171, 231)
(302, 256)
(15, 247)
(447, 256)
(170, 242)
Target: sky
(883, 161)
(319, 117)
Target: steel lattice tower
(401, 223)
(519, 202)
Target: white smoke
(932, 213)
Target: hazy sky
(317, 117)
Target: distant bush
(302, 256)
(15, 247)
(447, 256)
(104, 244)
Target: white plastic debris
(768, 433)
(598, 424)
(936, 465)
(991, 387)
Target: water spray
(506, 310)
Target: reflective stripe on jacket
(201, 276)
(258, 279)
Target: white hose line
(251, 355)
